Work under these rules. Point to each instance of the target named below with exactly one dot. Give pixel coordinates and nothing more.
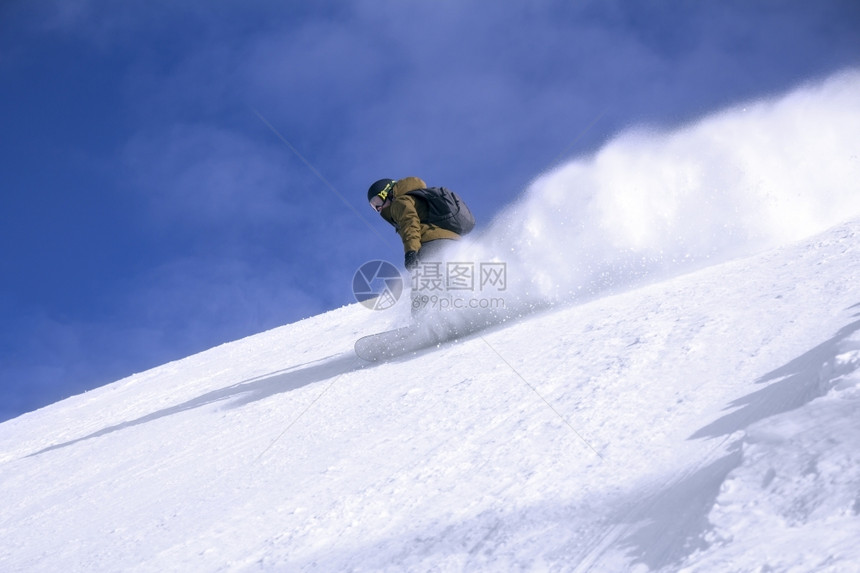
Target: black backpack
(446, 209)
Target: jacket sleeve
(407, 222)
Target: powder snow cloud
(655, 203)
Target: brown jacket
(406, 213)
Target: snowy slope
(651, 417)
(708, 421)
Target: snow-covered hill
(709, 422)
(681, 403)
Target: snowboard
(425, 332)
(393, 343)
(414, 337)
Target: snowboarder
(428, 220)
(422, 240)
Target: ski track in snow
(643, 420)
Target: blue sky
(148, 213)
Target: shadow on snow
(677, 517)
(245, 392)
(805, 378)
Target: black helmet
(381, 188)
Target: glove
(411, 260)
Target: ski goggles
(377, 202)
(382, 196)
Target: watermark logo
(377, 285)
(459, 285)
(457, 276)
